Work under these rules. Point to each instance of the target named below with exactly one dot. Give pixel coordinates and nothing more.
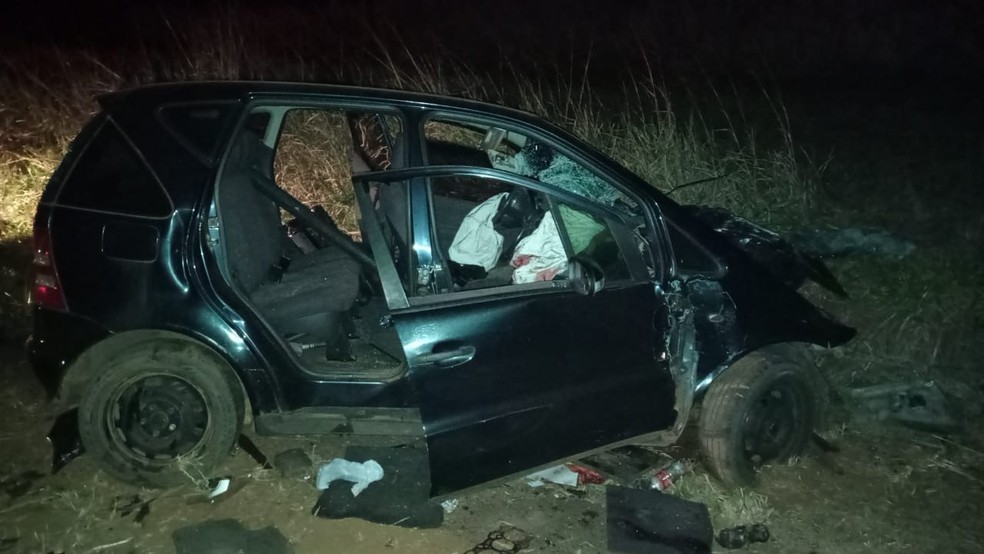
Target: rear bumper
(56, 340)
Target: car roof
(211, 91)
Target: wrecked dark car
(502, 294)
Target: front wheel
(159, 416)
(761, 410)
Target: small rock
(503, 545)
(515, 535)
(292, 463)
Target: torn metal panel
(65, 441)
(789, 264)
(715, 320)
(918, 405)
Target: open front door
(507, 383)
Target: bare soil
(887, 490)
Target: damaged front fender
(787, 263)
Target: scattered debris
(127, 505)
(362, 474)
(663, 478)
(221, 487)
(401, 497)
(919, 406)
(561, 475)
(107, 546)
(570, 475)
(450, 505)
(507, 538)
(587, 475)
(740, 536)
(254, 452)
(626, 464)
(651, 522)
(65, 441)
(292, 463)
(833, 242)
(228, 535)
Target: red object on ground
(586, 475)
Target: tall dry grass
(753, 167)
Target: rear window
(110, 176)
(198, 127)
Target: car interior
(315, 284)
(312, 283)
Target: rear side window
(111, 177)
(198, 127)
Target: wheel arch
(794, 350)
(87, 366)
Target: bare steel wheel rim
(775, 421)
(157, 418)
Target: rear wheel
(160, 416)
(761, 410)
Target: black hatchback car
(484, 285)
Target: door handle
(447, 359)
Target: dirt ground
(887, 490)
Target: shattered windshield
(469, 143)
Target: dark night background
(819, 39)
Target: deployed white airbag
(476, 242)
(540, 256)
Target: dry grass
(728, 507)
(313, 163)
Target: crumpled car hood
(787, 263)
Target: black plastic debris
(292, 463)
(507, 538)
(249, 447)
(65, 441)
(650, 522)
(126, 506)
(228, 536)
(741, 535)
(401, 497)
(921, 406)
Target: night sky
(812, 39)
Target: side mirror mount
(586, 277)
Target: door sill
(401, 422)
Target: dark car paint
(747, 308)
(490, 417)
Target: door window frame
(616, 222)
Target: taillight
(45, 289)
